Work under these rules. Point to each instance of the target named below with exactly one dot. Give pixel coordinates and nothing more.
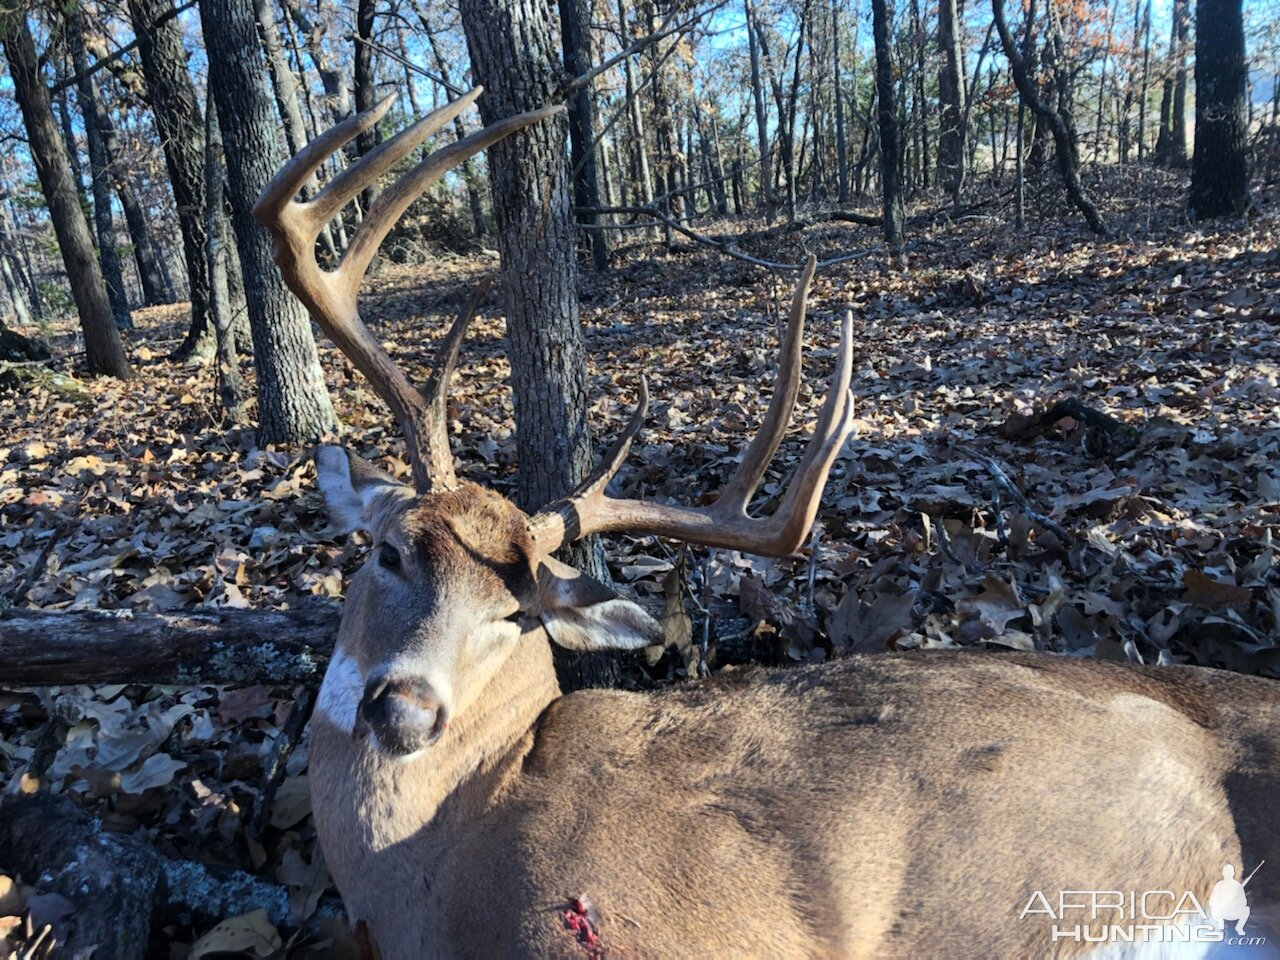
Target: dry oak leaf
(251, 933)
(995, 606)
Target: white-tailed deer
(920, 805)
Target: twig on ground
(1002, 482)
(285, 743)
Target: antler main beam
(330, 295)
(726, 522)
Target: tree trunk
(365, 86)
(920, 100)
(1171, 144)
(639, 140)
(837, 92)
(283, 83)
(793, 99)
(293, 404)
(194, 647)
(575, 38)
(103, 349)
(1143, 90)
(890, 133)
(762, 116)
(951, 93)
(11, 271)
(1102, 82)
(181, 128)
(1178, 140)
(157, 285)
(100, 178)
(231, 389)
(513, 55)
(1220, 165)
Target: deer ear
(581, 613)
(353, 489)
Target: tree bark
(890, 133)
(99, 173)
(231, 389)
(177, 114)
(103, 348)
(365, 87)
(1220, 164)
(951, 93)
(293, 404)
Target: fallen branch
(1002, 483)
(44, 648)
(1109, 437)
(274, 773)
(724, 246)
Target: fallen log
(46, 648)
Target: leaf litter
(138, 498)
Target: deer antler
(330, 295)
(725, 523)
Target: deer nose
(404, 715)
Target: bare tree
(293, 404)
(575, 36)
(177, 114)
(100, 183)
(1058, 124)
(890, 132)
(103, 349)
(951, 93)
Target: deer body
(882, 806)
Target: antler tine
(290, 179)
(330, 295)
(786, 388)
(341, 189)
(724, 523)
(393, 201)
(436, 392)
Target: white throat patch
(341, 691)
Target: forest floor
(1167, 511)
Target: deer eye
(389, 557)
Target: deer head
(457, 573)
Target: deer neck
(479, 756)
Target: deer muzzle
(404, 715)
